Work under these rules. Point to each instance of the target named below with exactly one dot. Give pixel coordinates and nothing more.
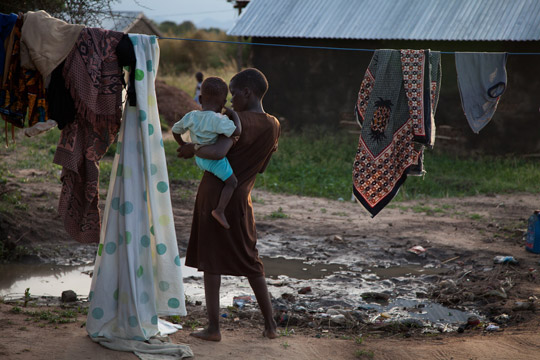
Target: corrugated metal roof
(470, 20)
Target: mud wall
(319, 87)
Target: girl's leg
(258, 284)
(212, 283)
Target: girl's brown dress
(211, 247)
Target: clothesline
(310, 47)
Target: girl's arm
(231, 114)
(216, 151)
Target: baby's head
(248, 85)
(199, 76)
(213, 93)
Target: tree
(87, 12)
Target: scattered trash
(305, 290)
(533, 233)
(451, 259)
(492, 327)
(282, 319)
(473, 321)
(523, 305)
(338, 319)
(385, 315)
(496, 293)
(224, 315)
(241, 301)
(418, 250)
(413, 323)
(376, 296)
(502, 319)
(501, 259)
(289, 297)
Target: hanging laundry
(93, 77)
(137, 274)
(126, 58)
(396, 107)
(7, 21)
(23, 92)
(61, 104)
(481, 81)
(46, 41)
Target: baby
(205, 126)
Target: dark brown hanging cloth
(93, 77)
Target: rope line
(308, 46)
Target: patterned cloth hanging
(395, 107)
(137, 275)
(23, 92)
(93, 77)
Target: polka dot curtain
(137, 274)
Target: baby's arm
(231, 114)
(177, 130)
(178, 138)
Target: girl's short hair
(252, 79)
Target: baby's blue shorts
(221, 168)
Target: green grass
(319, 163)
(278, 214)
(316, 162)
(38, 154)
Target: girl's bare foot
(270, 330)
(220, 217)
(206, 335)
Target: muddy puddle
(370, 283)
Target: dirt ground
(460, 234)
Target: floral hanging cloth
(137, 274)
(396, 107)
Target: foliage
(170, 28)
(87, 12)
(191, 56)
(186, 80)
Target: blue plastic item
(533, 233)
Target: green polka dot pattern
(98, 313)
(173, 303)
(139, 74)
(145, 241)
(132, 321)
(162, 187)
(110, 248)
(137, 273)
(161, 249)
(164, 286)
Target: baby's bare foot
(206, 335)
(220, 217)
